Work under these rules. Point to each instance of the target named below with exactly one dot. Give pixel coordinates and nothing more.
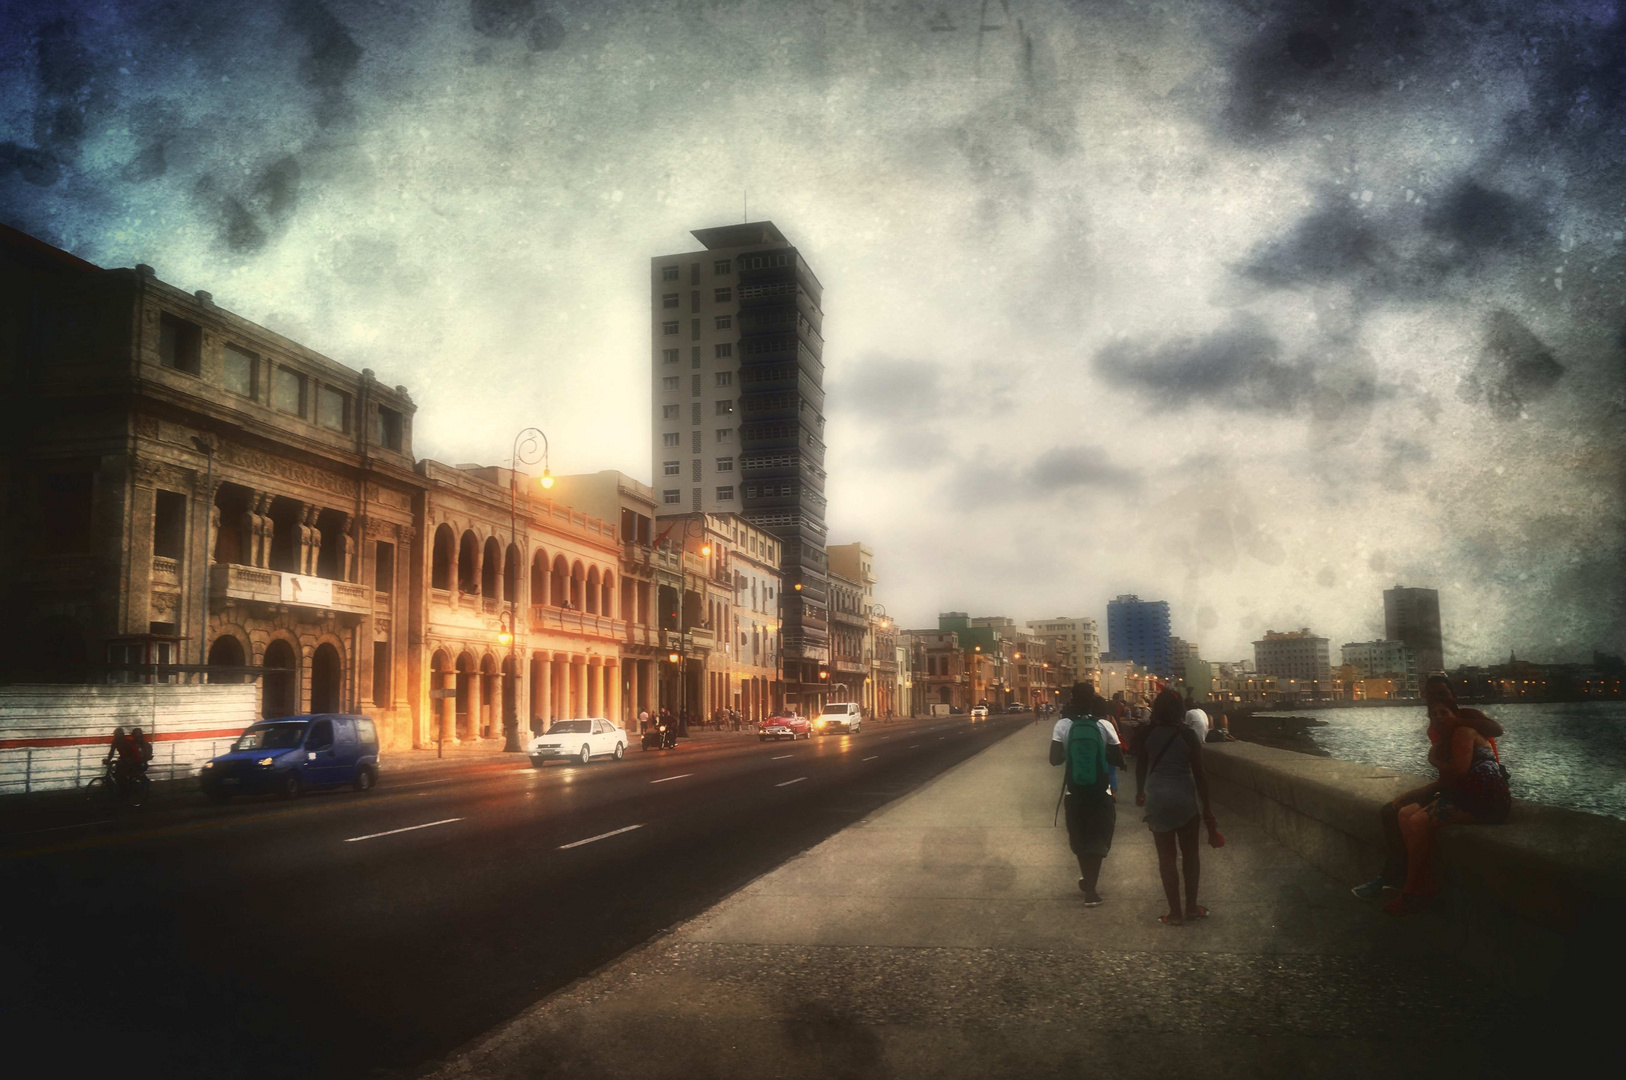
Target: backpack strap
(1159, 756)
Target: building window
(694, 470)
(694, 357)
(694, 413)
(725, 494)
(670, 468)
(670, 438)
(669, 327)
(290, 391)
(669, 412)
(694, 300)
(239, 368)
(384, 567)
(169, 525)
(695, 440)
(381, 673)
(694, 329)
(725, 464)
(694, 499)
(723, 266)
(672, 495)
(670, 384)
(725, 322)
(725, 435)
(387, 428)
(725, 378)
(669, 356)
(179, 344)
(725, 407)
(669, 300)
(725, 350)
(722, 296)
(333, 409)
(694, 385)
(669, 273)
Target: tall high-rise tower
(1138, 630)
(1413, 616)
(738, 407)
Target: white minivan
(839, 715)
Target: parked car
(580, 740)
(979, 712)
(1016, 706)
(840, 715)
(295, 754)
(786, 726)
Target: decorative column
(595, 687)
(475, 705)
(447, 708)
(612, 685)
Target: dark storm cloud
(1067, 467)
(1482, 219)
(1333, 243)
(1514, 369)
(1239, 366)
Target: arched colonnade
(491, 569)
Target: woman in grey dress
(1169, 782)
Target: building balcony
(547, 618)
(166, 571)
(258, 585)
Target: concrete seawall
(1532, 905)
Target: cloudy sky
(1256, 307)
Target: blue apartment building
(1138, 630)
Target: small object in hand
(1215, 837)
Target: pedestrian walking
(1170, 784)
(1196, 718)
(1087, 745)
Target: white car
(979, 712)
(839, 716)
(578, 740)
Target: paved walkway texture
(945, 936)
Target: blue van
(296, 753)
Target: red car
(789, 726)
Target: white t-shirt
(1065, 725)
(1197, 720)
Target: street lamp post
(696, 527)
(525, 453)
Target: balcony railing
(545, 617)
(233, 582)
(165, 571)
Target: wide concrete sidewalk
(945, 937)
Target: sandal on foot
(1200, 913)
(1097, 902)
(1167, 921)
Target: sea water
(1571, 755)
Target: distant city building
(1180, 651)
(1138, 630)
(1384, 659)
(738, 411)
(1295, 654)
(1079, 636)
(1413, 616)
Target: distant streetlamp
(525, 453)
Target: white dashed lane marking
(409, 828)
(664, 779)
(872, 757)
(782, 757)
(788, 783)
(601, 836)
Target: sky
(1258, 308)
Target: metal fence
(60, 768)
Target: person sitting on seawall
(1472, 789)
(1221, 731)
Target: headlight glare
(265, 761)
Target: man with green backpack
(1088, 745)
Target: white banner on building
(313, 591)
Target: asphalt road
(343, 934)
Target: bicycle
(107, 789)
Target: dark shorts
(1091, 819)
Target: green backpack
(1086, 755)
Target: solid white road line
(600, 836)
(409, 828)
(914, 746)
(782, 757)
(788, 783)
(664, 779)
(872, 757)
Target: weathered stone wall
(1530, 904)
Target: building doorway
(327, 679)
(279, 694)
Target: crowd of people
(1166, 739)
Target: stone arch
(228, 650)
(468, 563)
(578, 576)
(539, 577)
(511, 563)
(327, 677)
(590, 591)
(559, 583)
(468, 693)
(491, 567)
(279, 685)
(440, 574)
(606, 604)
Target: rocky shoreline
(1282, 732)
